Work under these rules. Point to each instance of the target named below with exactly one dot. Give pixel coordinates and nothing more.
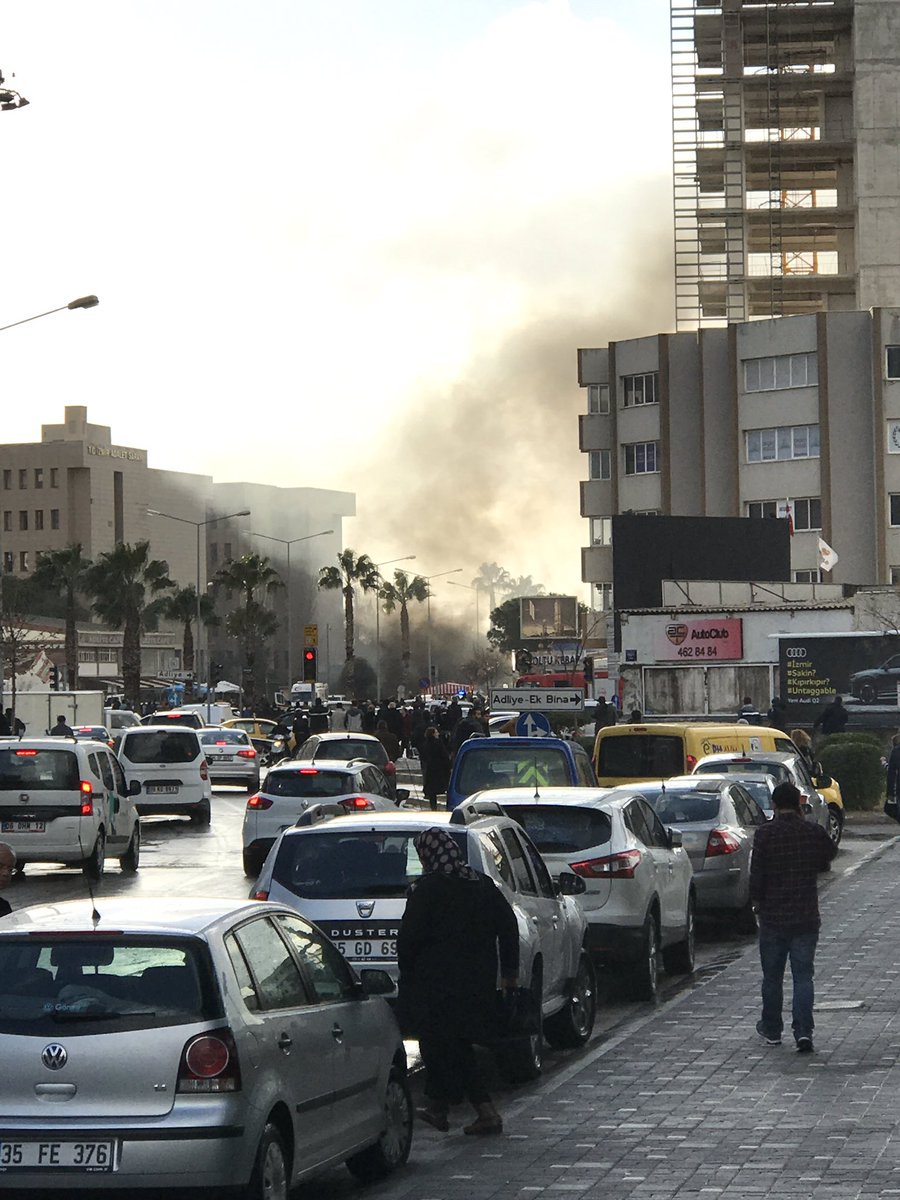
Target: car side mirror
(375, 982)
(134, 787)
(824, 781)
(570, 884)
(402, 794)
(676, 839)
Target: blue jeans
(776, 946)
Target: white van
(65, 801)
(168, 763)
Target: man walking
(789, 853)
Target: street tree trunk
(71, 643)
(349, 631)
(404, 641)
(131, 660)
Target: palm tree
(64, 571)
(122, 581)
(524, 585)
(181, 606)
(493, 579)
(398, 595)
(351, 570)
(252, 624)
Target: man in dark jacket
(789, 853)
(606, 714)
(7, 866)
(833, 717)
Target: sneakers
(772, 1039)
(804, 1045)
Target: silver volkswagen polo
(188, 1044)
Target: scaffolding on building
(762, 133)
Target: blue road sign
(532, 724)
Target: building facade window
(601, 531)
(8, 562)
(598, 397)
(23, 478)
(783, 442)
(7, 521)
(642, 458)
(806, 513)
(54, 518)
(54, 477)
(892, 362)
(39, 518)
(601, 597)
(7, 479)
(38, 477)
(600, 464)
(895, 574)
(213, 554)
(814, 576)
(23, 560)
(226, 551)
(781, 371)
(641, 389)
(23, 519)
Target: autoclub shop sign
(679, 640)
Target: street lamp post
(428, 578)
(453, 583)
(154, 512)
(387, 563)
(290, 542)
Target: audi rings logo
(54, 1057)
(795, 652)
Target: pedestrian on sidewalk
(455, 925)
(789, 853)
(435, 760)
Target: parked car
(191, 1044)
(346, 746)
(718, 819)
(93, 733)
(639, 898)
(291, 787)
(230, 757)
(632, 753)
(169, 765)
(67, 802)
(260, 729)
(350, 875)
(485, 763)
(877, 683)
(786, 768)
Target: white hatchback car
(640, 900)
(187, 1044)
(64, 800)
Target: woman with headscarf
(456, 924)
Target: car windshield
(162, 745)
(85, 985)
(343, 749)
(192, 720)
(487, 767)
(364, 864)
(224, 737)
(562, 828)
(686, 805)
(308, 782)
(640, 756)
(28, 770)
(778, 771)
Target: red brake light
(309, 771)
(260, 896)
(720, 841)
(355, 803)
(613, 866)
(87, 797)
(691, 760)
(258, 801)
(246, 754)
(222, 743)
(209, 1064)
(26, 753)
(204, 770)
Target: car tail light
(613, 866)
(260, 895)
(246, 754)
(26, 753)
(355, 803)
(691, 760)
(222, 743)
(209, 1063)
(720, 841)
(390, 768)
(309, 771)
(87, 797)
(259, 802)
(204, 770)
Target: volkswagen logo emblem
(54, 1057)
(365, 908)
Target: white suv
(169, 765)
(350, 874)
(67, 801)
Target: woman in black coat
(435, 759)
(455, 924)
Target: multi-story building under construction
(786, 157)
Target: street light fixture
(155, 512)
(428, 578)
(469, 588)
(386, 563)
(290, 542)
(81, 302)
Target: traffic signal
(54, 678)
(310, 664)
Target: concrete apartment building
(786, 162)
(741, 422)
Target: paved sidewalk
(688, 1102)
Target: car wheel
(130, 860)
(392, 1148)
(679, 959)
(644, 974)
(201, 814)
(868, 693)
(252, 864)
(573, 1024)
(271, 1176)
(521, 1059)
(95, 862)
(835, 823)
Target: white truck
(39, 710)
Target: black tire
(131, 859)
(835, 823)
(643, 978)
(392, 1148)
(521, 1059)
(868, 693)
(201, 814)
(573, 1024)
(95, 862)
(679, 959)
(252, 864)
(271, 1175)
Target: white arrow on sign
(532, 727)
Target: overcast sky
(341, 243)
